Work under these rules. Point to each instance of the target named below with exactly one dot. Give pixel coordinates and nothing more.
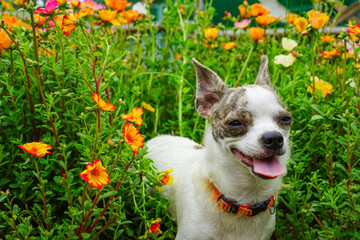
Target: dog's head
(251, 122)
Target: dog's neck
(232, 178)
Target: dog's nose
(273, 140)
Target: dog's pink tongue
(270, 167)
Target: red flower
(134, 116)
(154, 227)
(133, 137)
(36, 148)
(95, 174)
(102, 104)
(50, 6)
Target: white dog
(226, 189)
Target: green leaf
(316, 117)
(85, 235)
(108, 194)
(3, 196)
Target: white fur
(197, 216)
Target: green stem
(43, 193)
(245, 64)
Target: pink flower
(243, 24)
(50, 6)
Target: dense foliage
(53, 64)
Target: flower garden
(84, 85)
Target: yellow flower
(323, 87)
(327, 38)
(291, 17)
(354, 31)
(256, 33)
(36, 148)
(154, 227)
(134, 116)
(229, 45)
(300, 24)
(68, 24)
(357, 66)
(102, 104)
(107, 15)
(166, 179)
(147, 106)
(339, 70)
(95, 174)
(133, 137)
(317, 19)
(211, 33)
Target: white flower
(140, 7)
(285, 60)
(288, 44)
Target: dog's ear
(263, 77)
(209, 89)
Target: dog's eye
(286, 119)
(235, 123)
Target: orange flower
(330, 54)
(18, 2)
(68, 24)
(117, 5)
(300, 24)
(148, 107)
(327, 39)
(211, 33)
(75, 3)
(133, 137)
(107, 15)
(101, 103)
(131, 15)
(325, 88)
(291, 17)
(86, 12)
(257, 9)
(134, 116)
(317, 19)
(5, 5)
(39, 19)
(177, 56)
(36, 148)
(355, 30)
(166, 179)
(266, 20)
(229, 45)
(154, 227)
(5, 40)
(61, 2)
(256, 33)
(244, 11)
(95, 174)
(357, 66)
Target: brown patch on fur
(198, 147)
(231, 107)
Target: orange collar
(238, 209)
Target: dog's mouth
(267, 167)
